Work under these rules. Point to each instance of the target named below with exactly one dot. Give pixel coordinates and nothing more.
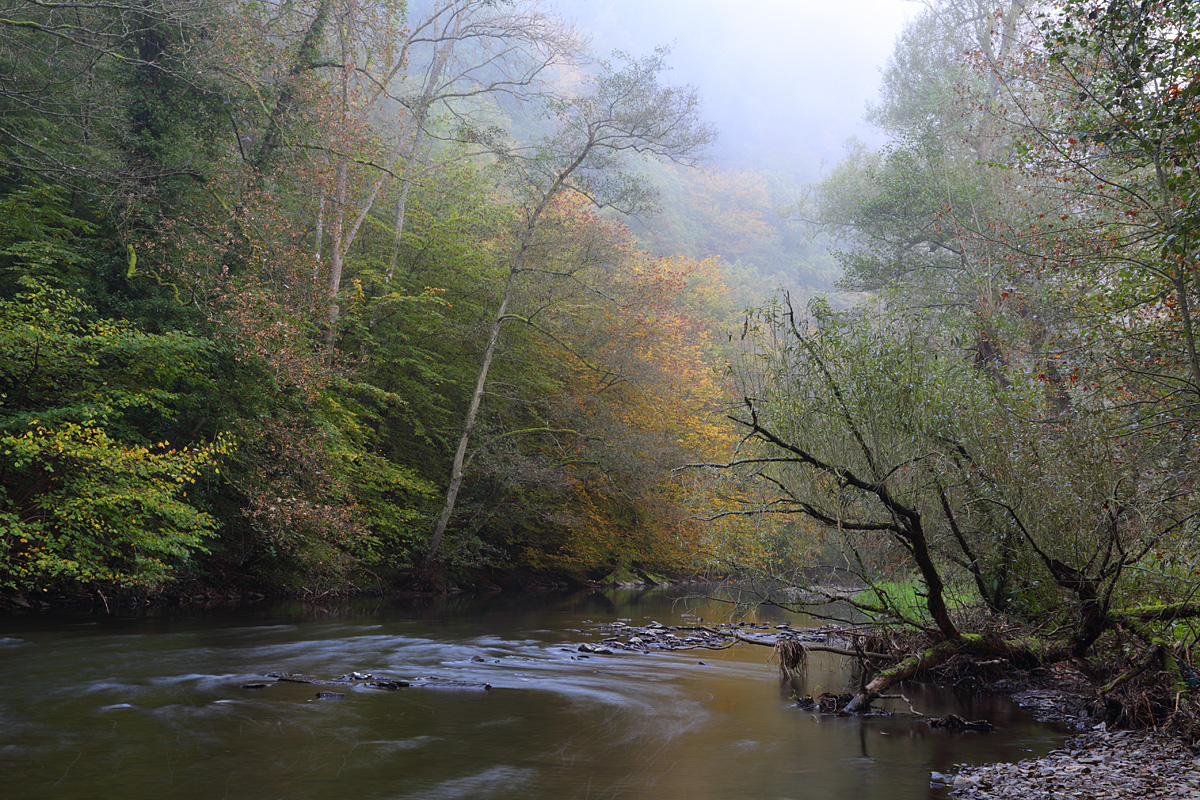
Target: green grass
(907, 597)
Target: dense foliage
(264, 267)
(1010, 423)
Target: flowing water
(152, 706)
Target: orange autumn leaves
(640, 391)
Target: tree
(1108, 139)
(649, 398)
(863, 424)
(626, 113)
(106, 93)
(918, 219)
(85, 497)
(470, 52)
(1013, 412)
(381, 96)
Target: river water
(152, 706)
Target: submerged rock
(434, 682)
(956, 723)
(431, 682)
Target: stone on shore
(1098, 765)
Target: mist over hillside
(785, 82)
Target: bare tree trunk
(668, 128)
(398, 229)
(405, 148)
(1027, 651)
(320, 234)
(337, 249)
(518, 263)
(906, 669)
(417, 137)
(337, 244)
(456, 470)
(935, 600)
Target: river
(151, 705)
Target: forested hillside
(319, 295)
(327, 295)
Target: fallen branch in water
(905, 699)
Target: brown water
(151, 706)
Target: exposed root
(791, 656)
(1159, 691)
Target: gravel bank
(1096, 765)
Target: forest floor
(1094, 764)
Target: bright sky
(786, 81)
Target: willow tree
(924, 471)
(622, 116)
(1025, 430)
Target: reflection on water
(153, 707)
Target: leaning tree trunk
(905, 670)
(518, 265)
(1026, 651)
(456, 470)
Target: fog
(785, 81)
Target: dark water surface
(151, 706)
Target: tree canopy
(1006, 423)
(252, 258)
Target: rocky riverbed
(1094, 764)
(1097, 765)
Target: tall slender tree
(625, 113)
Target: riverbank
(247, 591)
(1097, 765)
(1094, 764)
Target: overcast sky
(785, 81)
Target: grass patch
(906, 598)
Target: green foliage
(871, 425)
(905, 600)
(78, 507)
(58, 363)
(173, 176)
(88, 495)
(120, 95)
(393, 501)
(898, 217)
(1014, 411)
(41, 239)
(419, 331)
